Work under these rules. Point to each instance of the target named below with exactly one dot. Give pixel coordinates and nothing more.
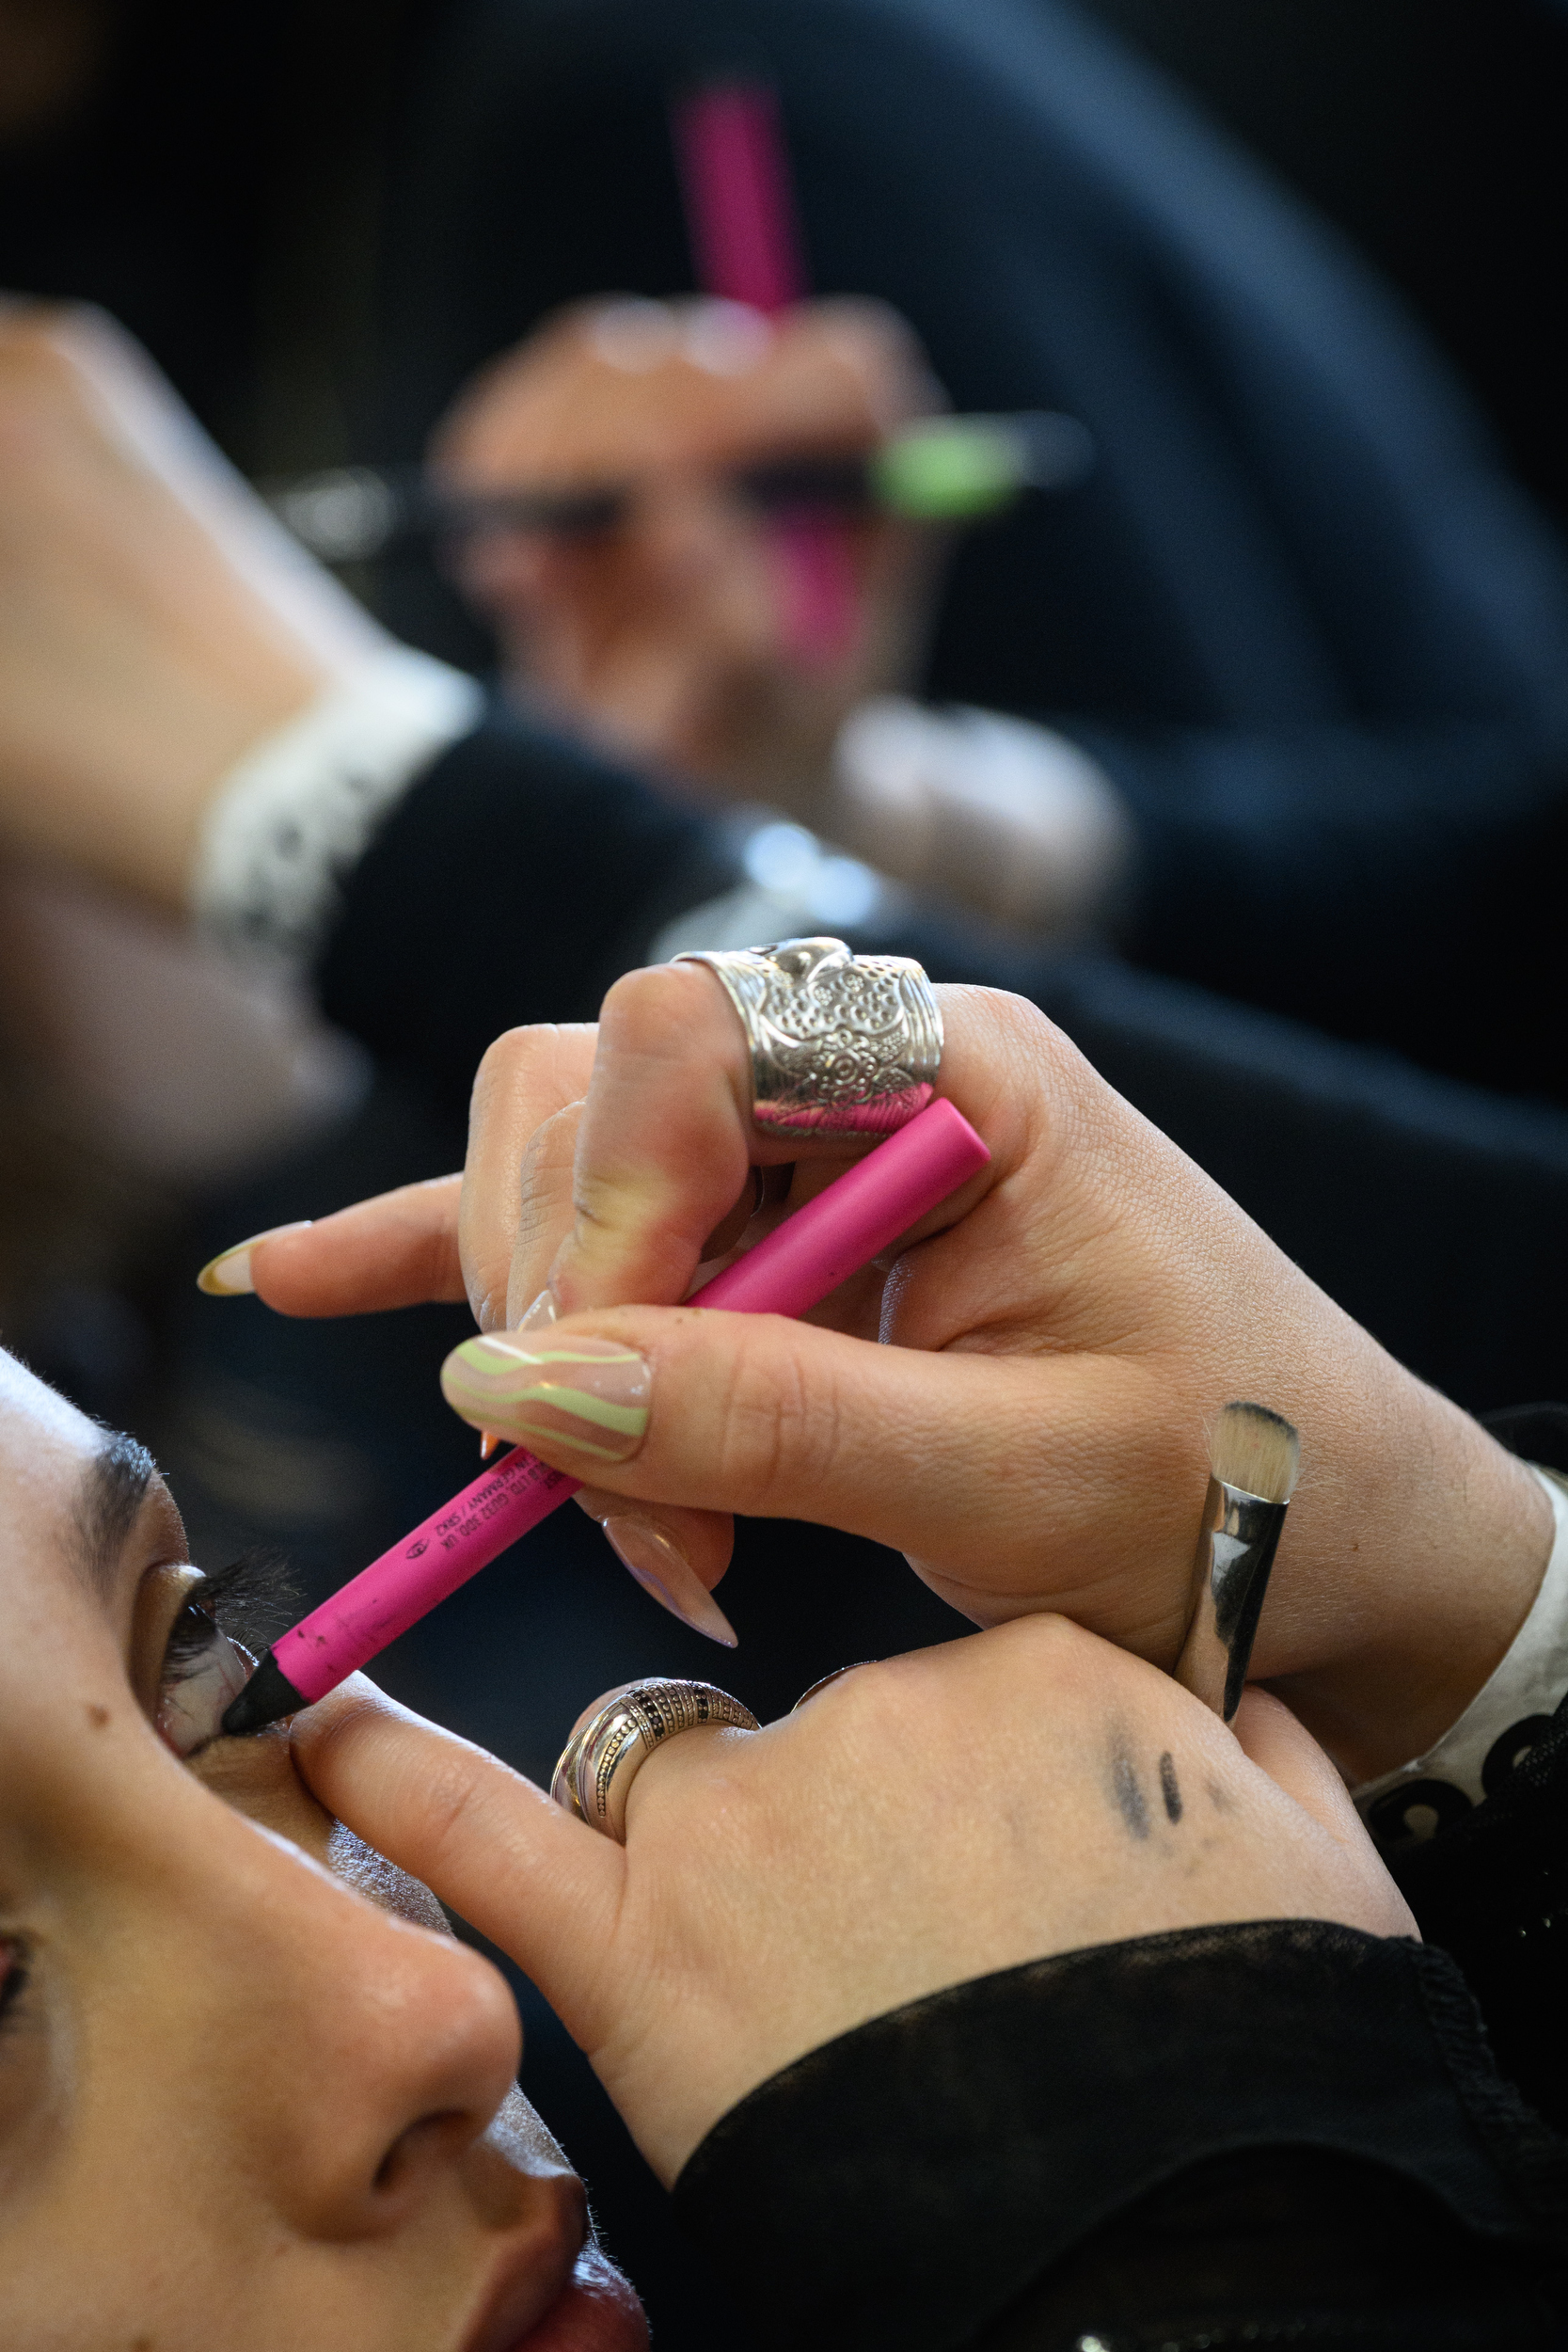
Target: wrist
(1424, 1551)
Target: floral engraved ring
(840, 1044)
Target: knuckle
(779, 1434)
(648, 1012)
(454, 1793)
(506, 1058)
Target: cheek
(256, 1778)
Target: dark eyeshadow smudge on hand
(1129, 1798)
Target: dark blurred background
(1431, 131)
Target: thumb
(1270, 1737)
(987, 1471)
(493, 1848)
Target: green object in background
(957, 468)
(950, 468)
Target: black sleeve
(1492, 1889)
(1392, 882)
(1282, 2133)
(514, 882)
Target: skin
(155, 623)
(251, 2088)
(1066, 1330)
(780, 1887)
(668, 640)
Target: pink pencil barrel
(861, 1214)
(407, 1583)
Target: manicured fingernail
(540, 1314)
(663, 1569)
(228, 1275)
(588, 1396)
(488, 1441)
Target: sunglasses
(938, 469)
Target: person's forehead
(71, 1493)
(34, 1416)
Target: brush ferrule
(1236, 1545)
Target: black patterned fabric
(1492, 1886)
(1284, 2133)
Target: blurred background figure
(1274, 700)
(655, 615)
(1297, 631)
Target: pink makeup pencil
(858, 1216)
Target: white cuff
(1503, 1720)
(1009, 818)
(296, 814)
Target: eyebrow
(111, 1494)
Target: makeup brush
(1253, 1464)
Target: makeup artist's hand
(780, 1887)
(1064, 1333)
(685, 636)
(155, 620)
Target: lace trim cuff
(294, 816)
(1504, 1719)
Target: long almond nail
(663, 1569)
(228, 1275)
(588, 1396)
(540, 1314)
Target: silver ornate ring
(840, 1044)
(614, 1739)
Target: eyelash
(248, 1600)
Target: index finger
(666, 1137)
(665, 1141)
(498, 1850)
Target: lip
(596, 2312)
(536, 2268)
(555, 2292)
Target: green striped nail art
(587, 1395)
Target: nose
(379, 2054)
